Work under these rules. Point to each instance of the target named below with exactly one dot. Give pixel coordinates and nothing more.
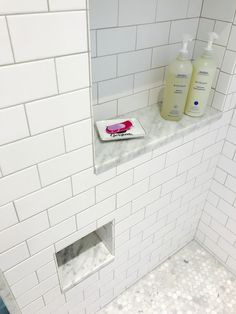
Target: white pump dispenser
(203, 74)
(177, 84)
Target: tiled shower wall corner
(131, 47)
(50, 196)
(217, 227)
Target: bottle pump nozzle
(211, 38)
(186, 39)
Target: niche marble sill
(158, 133)
(81, 259)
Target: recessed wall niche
(131, 46)
(85, 256)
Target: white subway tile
(231, 262)
(25, 268)
(171, 10)
(214, 212)
(72, 72)
(173, 184)
(223, 30)
(133, 102)
(205, 26)
(33, 307)
(47, 271)
(227, 247)
(133, 163)
(204, 141)
(98, 13)
(198, 170)
(104, 68)
(57, 111)
(14, 256)
(231, 225)
(149, 168)
(189, 162)
(31, 151)
(13, 124)
(223, 191)
(114, 185)
(223, 231)
(7, 216)
(51, 235)
(228, 165)
(116, 40)
(61, 5)
(37, 291)
(115, 88)
(123, 212)
(136, 12)
(97, 211)
(157, 205)
(213, 150)
(194, 8)
(163, 55)
(24, 6)
(183, 190)
(216, 9)
(231, 183)
(60, 245)
(231, 136)
(66, 165)
(127, 223)
(148, 79)
(71, 207)
(220, 175)
(87, 179)
(206, 230)
(229, 62)
(223, 83)
(152, 35)
(24, 285)
(22, 231)
(132, 193)
(167, 147)
(146, 199)
(179, 153)
(6, 55)
(48, 34)
(132, 62)
(19, 184)
(179, 27)
(43, 199)
(78, 135)
(105, 111)
(31, 81)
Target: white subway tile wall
(49, 194)
(132, 45)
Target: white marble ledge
(159, 132)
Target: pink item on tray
(119, 127)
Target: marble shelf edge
(159, 132)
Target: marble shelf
(159, 132)
(81, 259)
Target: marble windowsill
(159, 132)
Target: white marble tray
(158, 133)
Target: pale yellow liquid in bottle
(176, 90)
(203, 74)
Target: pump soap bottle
(203, 74)
(177, 84)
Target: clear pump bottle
(177, 84)
(203, 74)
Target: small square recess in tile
(85, 256)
